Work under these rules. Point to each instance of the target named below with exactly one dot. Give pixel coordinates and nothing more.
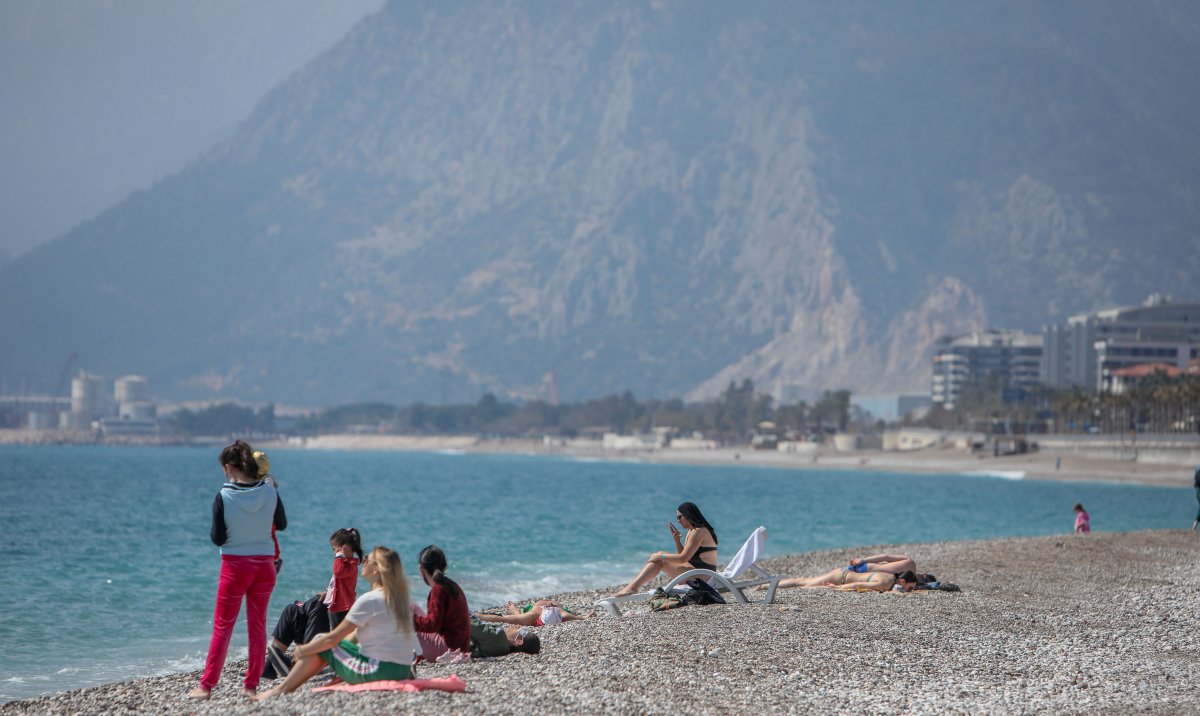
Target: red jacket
(343, 584)
(447, 614)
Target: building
(1085, 351)
(131, 389)
(33, 412)
(893, 405)
(91, 396)
(1012, 358)
(121, 407)
(1124, 380)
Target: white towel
(747, 555)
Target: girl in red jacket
(347, 554)
(446, 625)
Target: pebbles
(1107, 622)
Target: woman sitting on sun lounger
(846, 579)
(698, 551)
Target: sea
(110, 574)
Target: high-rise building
(1011, 358)
(1084, 351)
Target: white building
(1086, 350)
(1012, 358)
(91, 396)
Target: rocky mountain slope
(659, 196)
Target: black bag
(702, 593)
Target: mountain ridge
(660, 197)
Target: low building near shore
(648, 441)
(922, 438)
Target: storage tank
(132, 389)
(89, 395)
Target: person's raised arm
(343, 568)
(675, 536)
(690, 546)
(876, 558)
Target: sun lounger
(739, 574)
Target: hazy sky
(99, 98)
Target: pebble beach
(1061, 624)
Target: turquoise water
(111, 575)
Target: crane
(62, 376)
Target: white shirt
(379, 637)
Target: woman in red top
(446, 625)
(343, 585)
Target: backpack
(661, 601)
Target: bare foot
(199, 694)
(622, 592)
(268, 694)
(511, 608)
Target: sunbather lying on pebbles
(491, 640)
(541, 613)
(846, 579)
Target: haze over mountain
(102, 98)
(659, 196)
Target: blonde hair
(395, 586)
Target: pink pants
(252, 578)
(433, 645)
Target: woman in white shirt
(383, 624)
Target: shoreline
(1060, 623)
(1044, 465)
(1048, 464)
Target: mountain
(656, 196)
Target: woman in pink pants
(244, 512)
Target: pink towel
(449, 683)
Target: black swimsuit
(698, 563)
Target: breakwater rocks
(1108, 622)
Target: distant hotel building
(1012, 358)
(1088, 349)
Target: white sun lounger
(740, 573)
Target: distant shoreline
(1044, 465)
